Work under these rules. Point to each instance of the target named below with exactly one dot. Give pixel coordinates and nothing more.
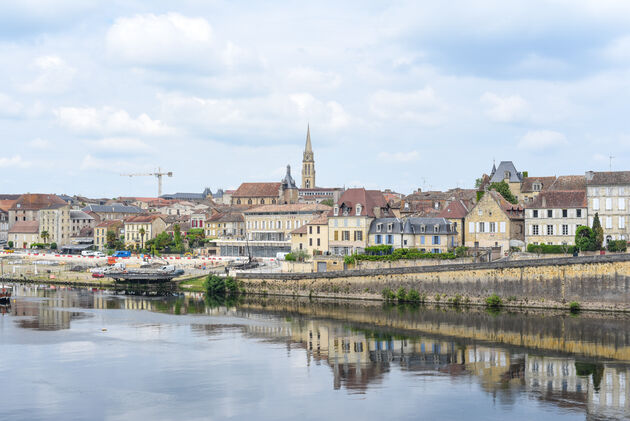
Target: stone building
(101, 229)
(24, 233)
(152, 225)
(553, 217)
(495, 222)
(431, 235)
(312, 237)
(608, 194)
(27, 206)
(349, 221)
(284, 192)
(55, 220)
(228, 225)
(455, 213)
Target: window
(358, 210)
(310, 230)
(436, 239)
(471, 227)
(422, 239)
(310, 242)
(423, 228)
(379, 227)
(318, 242)
(436, 251)
(336, 210)
(262, 201)
(493, 227)
(578, 213)
(622, 222)
(596, 204)
(535, 213)
(482, 227)
(549, 213)
(249, 202)
(336, 235)
(609, 222)
(390, 227)
(621, 203)
(536, 187)
(549, 229)
(345, 222)
(502, 226)
(378, 239)
(608, 203)
(358, 236)
(565, 230)
(565, 213)
(390, 239)
(345, 235)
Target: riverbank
(595, 282)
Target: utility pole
(610, 157)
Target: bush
(401, 294)
(585, 238)
(550, 249)
(378, 250)
(574, 306)
(10, 244)
(388, 294)
(461, 251)
(290, 257)
(53, 246)
(399, 254)
(494, 301)
(457, 300)
(217, 286)
(617, 245)
(413, 296)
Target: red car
(97, 275)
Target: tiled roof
(559, 199)
(302, 230)
(320, 220)
(258, 190)
(455, 210)
(569, 182)
(513, 211)
(6, 204)
(288, 208)
(227, 217)
(110, 223)
(528, 183)
(607, 178)
(368, 199)
(138, 219)
(28, 227)
(37, 201)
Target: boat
(5, 294)
(120, 273)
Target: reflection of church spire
(308, 162)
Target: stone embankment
(596, 282)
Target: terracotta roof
(110, 223)
(607, 178)
(513, 211)
(142, 218)
(569, 182)
(29, 227)
(227, 217)
(528, 183)
(455, 210)
(368, 199)
(6, 204)
(302, 230)
(559, 199)
(320, 220)
(258, 190)
(37, 201)
(293, 207)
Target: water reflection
(575, 364)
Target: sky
(400, 95)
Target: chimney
(589, 175)
(544, 201)
(377, 211)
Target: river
(82, 354)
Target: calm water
(80, 354)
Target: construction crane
(158, 174)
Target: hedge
(550, 249)
(399, 254)
(617, 245)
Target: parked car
(98, 254)
(122, 253)
(87, 253)
(98, 275)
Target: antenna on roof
(610, 157)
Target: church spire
(308, 163)
(308, 147)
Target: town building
(27, 206)
(349, 221)
(506, 171)
(151, 224)
(228, 225)
(311, 237)
(284, 192)
(55, 221)
(608, 194)
(113, 211)
(24, 233)
(101, 229)
(431, 235)
(495, 222)
(553, 217)
(5, 205)
(191, 197)
(80, 220)
(455, 213)
(532, 186)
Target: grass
(195, 285)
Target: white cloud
(618, 49)
(15, 161)
(422, 107)
(399, 156)
(309, 78)
(120, 144)
(54, 76)
(39, 143)
(540, 140)
(9, 107)
(158, 40)
(505, 109)
(109, 120)
(90, 163)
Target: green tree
(110, 238)
(598, 233)
(141, 231)
(503, 189)
(584, 238)
(328, 202)
(478, 182)
(45, 236)
(177, 236)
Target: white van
(87, 253)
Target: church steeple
(308, 163)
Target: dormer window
(336, 210)
(506, 175)
(406, 205)
(436, 228)
(390, 227)
(379, 227)
(537, 187)
(358, 210)
(345, 211)
(422, 228)
(436, 205)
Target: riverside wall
(596, 282)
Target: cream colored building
(152, 225)
(55, 220)
(24, 233)
(275, 222)
(100, 232)
(430, 235)
(553, 217)
(494, 222)
(608, 195)
(312, 237)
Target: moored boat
(5, 293)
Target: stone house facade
(553, 217)
(608, 195)
(312, 237)
(495, 222)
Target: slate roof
(559, 200)
(498, 175)
(607, 178)
(455, 210)
(25, 227)
(411, 226)
(77, 214)
(37, 201)
(368, 199)
(113, 208)
(258, 190)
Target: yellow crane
(158, 174)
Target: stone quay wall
(596, 282)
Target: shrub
(461, 251)
(585, 238)
(290, 257)
(574, 306)
(398, 254)
(550, 249)
(388, 294)
(457, 300)
(53, 246)
(617, 245)
(401, 294)
(438, 297)
(494, 301)
(378, 250)
(413, 296)
(217, 286)
(10, 244)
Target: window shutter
(502, 227)
(477, 227)
(471, 227)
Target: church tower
(308, 163)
